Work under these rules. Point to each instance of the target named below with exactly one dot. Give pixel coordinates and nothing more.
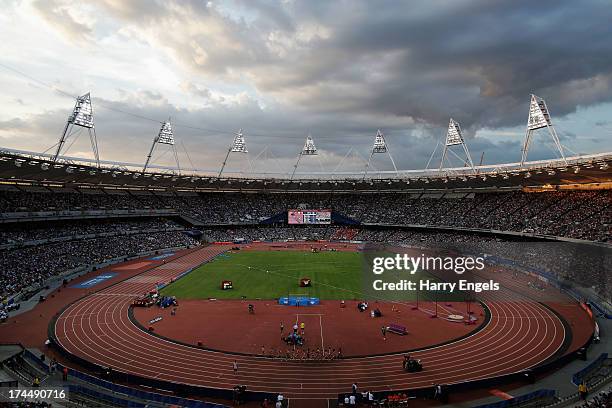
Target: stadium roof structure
(21, 167)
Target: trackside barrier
(580, 375)
(143, 395)
(27, 353)
(600, 309)
(77, 389)
(526, 375)
(121, 389)
(517, 401)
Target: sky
(280, 70)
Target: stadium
(174, 287)
(151, 283)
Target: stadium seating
(575, 214)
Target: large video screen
(309, 216)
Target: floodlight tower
(539, 118)
(238, 146)
(454, 137)
(309, 149)
(81, 117)
(380, 146)
(165, 136)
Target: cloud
(339, 70)
(57, 14)
(12, 124)
(476, 61)
(196, 89)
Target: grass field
(274, 274)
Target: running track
(520, 334)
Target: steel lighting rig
(309, 149)
(379, 146)
(454, 137)
(81, 118)
(238, 146)
(539, 118)
(164, 137)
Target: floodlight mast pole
(295, 166)
(365, 172)
(82, 116)
(309, 149)
(93, 138)
(224, 161)
(443, 157)
(379, 146)
(165, 136)
(432, 155)
(144, 169)
(539, 118)
(61, 142)
(454, 136)
(178, 164)
(392, 162)
(238, 145)
(467, 154)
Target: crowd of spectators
(602, 399)
(576, 214)
(32, 266)
(20, 233)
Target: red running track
(520, 334)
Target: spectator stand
(26, 291)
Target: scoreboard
(309, 216)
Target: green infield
(274, 274)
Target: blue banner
(162, 256)
(94, 281)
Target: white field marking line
(326, 284)
(89, 305)
(321, 326)
(297, 318)
(76, 315)
(541, 341)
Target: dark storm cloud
(478, 62)
(342, 69)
